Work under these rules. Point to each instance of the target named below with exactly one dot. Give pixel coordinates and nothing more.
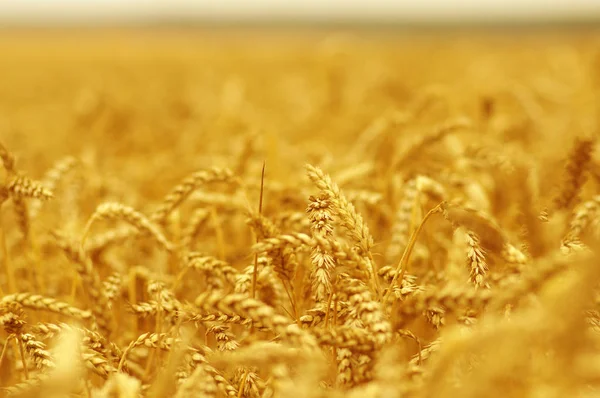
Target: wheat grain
(320, 217)
(476, 259)
(36, 349)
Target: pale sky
(123, 10)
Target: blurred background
(158, 69)
(332, 11)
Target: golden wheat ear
(350, 220)
(319, 214)
(180, 192)
(8, 160)
(52, 178)
(21, 186)
(476, 260)
(118, 211)
(575, 173)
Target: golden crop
(278, 214)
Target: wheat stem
(403, 264)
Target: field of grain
(299, 214)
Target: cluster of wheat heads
(442, 263)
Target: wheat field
(299, 214)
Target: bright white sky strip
(417, 10)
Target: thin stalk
(242, 384)
(132, 292)
(5, 348)
(175, 332)
(292, 301)
(88, 392)
(10, 272)
(37, 263)
(158, 329)
(335, 318)
(329, 300)
(124, 356)
(260, 205)
(402, 265)
(374, 276)
(175, 227)
(22, 350)
(218, 232)
(179, 278)
(74, 286)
